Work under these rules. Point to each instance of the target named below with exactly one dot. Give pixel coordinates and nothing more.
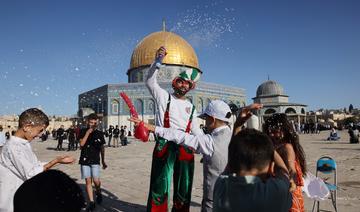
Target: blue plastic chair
(326, 166)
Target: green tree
(349, 120)
(351, 108)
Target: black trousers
(109, 142)
(59, 146)
(71, 144)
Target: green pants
(170, 161)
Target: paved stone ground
(126, 181)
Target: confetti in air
(203, 26)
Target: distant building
(11, 122)
(328, 117)
(271, 94)
(106, 102)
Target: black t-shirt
(71, 133)
(61, 133)
(116, 132)
(110, 131)
(90, 152)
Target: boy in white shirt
(17, 160)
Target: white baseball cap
(217, 109)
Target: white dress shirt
(17, 164)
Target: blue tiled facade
(105, 100)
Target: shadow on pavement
(112, 203)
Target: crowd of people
(116, 134)
(244, 168)
(72, 136)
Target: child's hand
(104, 166)
(65, 159)
(292, 185)
(246, 111)
(90, 130)
(244, 116)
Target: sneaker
(99, 198)
(90, 207)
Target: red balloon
(141, 132)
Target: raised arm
(151, 82)
(86, 136)
(244, 115)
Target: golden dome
(180, 52)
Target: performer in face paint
(171, 161)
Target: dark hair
(249, 149)
(51, 190)
(34, 117)
(92, 116)
(280, 121)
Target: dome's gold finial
(163, 25)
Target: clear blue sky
(51, 51)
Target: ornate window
(114, 107)
(139, 106)
(151, 106)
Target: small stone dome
(270, 88)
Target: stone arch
(302, 111)
(270, 111)
(290, 110)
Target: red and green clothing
(171, 162)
